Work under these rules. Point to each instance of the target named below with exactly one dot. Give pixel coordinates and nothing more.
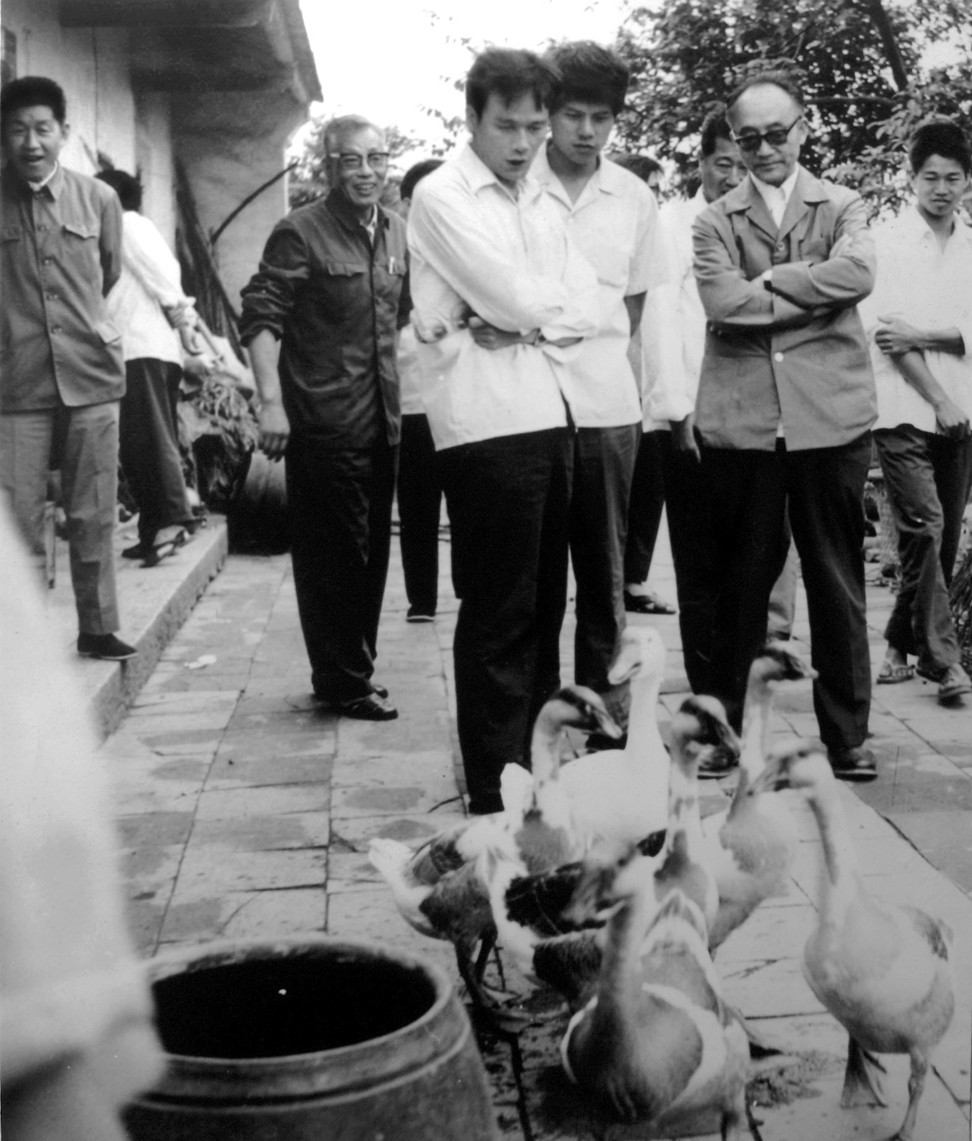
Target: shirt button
(46, 261)
(55, 328)
(781, 245)
(778, 357)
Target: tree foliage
(859, 61)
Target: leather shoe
(954, 683)
(853, 763)
(371, 707)
(105, 647)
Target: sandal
(161, 550)
(891, 673)
(646, 604)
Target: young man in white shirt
(612, 217)
(920, 320)
(502, 301)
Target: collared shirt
(614, 224)
(61, 254)
(673, 327)
(477, 248)
(331, 296)
(930, 288)
(149, 282)
(777, 198)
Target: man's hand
(895, 336)
(952, 420)
(489, 337)
(683, 436)
(274, 430)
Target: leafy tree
(859, 62)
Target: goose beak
(606, 723)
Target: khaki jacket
(797, 355)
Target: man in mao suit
(786, 401)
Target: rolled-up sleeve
(268, 298)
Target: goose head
(596, 893)
(578, 707)
(641, 653)
(778, 661)
(699, 726)
(794, 764)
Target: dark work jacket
(333, 300)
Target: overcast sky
(386, 59)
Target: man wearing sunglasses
(786, 400)
(320, 318)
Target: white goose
(881, 970)
(750, 846)
(440, 890)
(618, 796)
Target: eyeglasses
(377, 160)
(751, 141)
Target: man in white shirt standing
(612, 217)
(502, 301)
(922, 354)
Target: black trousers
(646, 503)
(419, 504)
(148, 445)
(339, 504)
(824, 489)
(509, 502)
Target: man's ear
(472, 119)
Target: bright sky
(386, 59)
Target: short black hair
(509, 73)
(414, 175)
(940, 137)
(715, 126)
(128, 187)
(644, 166)
(33, 91)
(589, 73)
(785, 80)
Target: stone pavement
(245, 812)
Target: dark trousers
(339, 505)
(646, 503)
(928, 478)
(604, 461)
(508, 502)
(824, 489)
(419, 505)
(149, 446)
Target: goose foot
(862, 1078)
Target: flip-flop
(891, 674)
(646, 604)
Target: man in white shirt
(502, 300)
(920, 319)
(157, 321)
(612, 217)
(673, 338)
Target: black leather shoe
(853, 763)
(371, 707)
(105, 647)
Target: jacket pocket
(11, 233)
(345, 268)
(83, 230)
(107, 331)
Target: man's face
(769, 108)
(33, 139)
(939, 187)
(721, 170)
(358, 168)
(580, 130)
(506, 136)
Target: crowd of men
(568, 357)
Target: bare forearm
(265, 360)
(916, 372)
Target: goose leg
(862, 1078)
(916, 1086)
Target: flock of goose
(602, 881)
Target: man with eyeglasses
(786, 400)
(320, 319)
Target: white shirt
(476, 247)
(777, 198)
(673, 326)
(150, 279)
(930, 288)
(614, 224)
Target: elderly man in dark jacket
(320, 319)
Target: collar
(338, 204)
(53, 183)
(478, 175)
(770, 192)
(915, 227)
(743, 196)
(608, 178)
